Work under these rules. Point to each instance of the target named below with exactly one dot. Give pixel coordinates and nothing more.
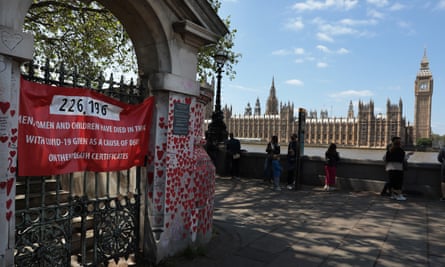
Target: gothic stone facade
(363, 129)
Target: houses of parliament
(361, 129)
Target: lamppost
(217, 131)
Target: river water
(353, 153)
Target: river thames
(353, 153)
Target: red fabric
(63, 130)
(330, 172)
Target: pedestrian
(276, 166)
(234, 149)
(386, 191)
(211, 147)
(332, 157)
(441, 159)
(292, 152)
(268, 171)
(395, 159)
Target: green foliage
(206, 62)
(424, 142)
(438, 140)
(86, 36)
(82, 35)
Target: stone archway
(166, 36)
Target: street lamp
(217, 131)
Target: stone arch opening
(166, 36)
(148, 34)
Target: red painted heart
(8, 203)
(3, 138)
(8, 215)
(160, 154)
(13, 131)
(9, 185)
(12, 112)
(4, 106)
(12, 153)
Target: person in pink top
(330, 167)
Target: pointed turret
(350, 110)
(424, 66)
(257, 111)
(272, 101)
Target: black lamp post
(217, 131)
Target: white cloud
(403, 24)
(322, 65)
(397, 7)
(281, 52)
(375, 14)
(337, 29)
(358, 22)
(323, 49)
(407, 28)
(342, 51)
(299, 51)
(294, 82)
(327, 31)
(324, 37)
(441, 4)
(295, 24)
(379, 3)
(310, 5)
(352, 93)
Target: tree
(424, 142)
(206, 63)
(81, 35)
(86, 36)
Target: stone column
(15, 47)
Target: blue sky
(325, 53)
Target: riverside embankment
(358, 170)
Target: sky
(322, 54)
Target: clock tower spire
(423, 90)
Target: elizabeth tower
(423, 87)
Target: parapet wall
(421, 179)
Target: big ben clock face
(423, 86)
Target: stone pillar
(15, 47)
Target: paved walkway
(255, 226)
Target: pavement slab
(256, 226)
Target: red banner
(63, 130)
